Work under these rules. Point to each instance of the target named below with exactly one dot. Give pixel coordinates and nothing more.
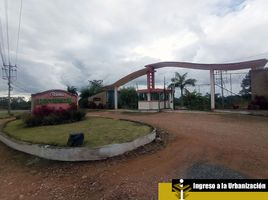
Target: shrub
(52, 120)
(195, 101)
(77, 115)
(259, 102)
(83, 102)
(43, 111)
(92, 105)
(31, 120)
(100, 106)
(18, 116)
(48, 116)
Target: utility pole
(9, 74)
(9, 89)
(231, 86)
(164, 92)
(222, 97)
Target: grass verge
(98, 132)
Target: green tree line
(17, 103)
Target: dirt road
(199, 145)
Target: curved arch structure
(223, 66)
(150, 69)
(253, 64)
(129, 78)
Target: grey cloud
(66, 42)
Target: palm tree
(181, 82)
(72, 89)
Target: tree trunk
(181, 97)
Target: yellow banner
(165, 193)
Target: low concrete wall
(77, 153)
(152, 105)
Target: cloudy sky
(66, 42)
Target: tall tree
(72, 89)
(246, 86)
(94, 87)
(128, 98)
(181, 82)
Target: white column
(171, 99)
(115, 98)
(148, 96)
(212, 90)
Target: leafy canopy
(72, 89)
(181, 81)
(94, 87)
(246, 85)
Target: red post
(150, 78)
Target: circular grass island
(103, 138)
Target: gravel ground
(198, 145)
(208, 171)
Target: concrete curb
(77, 153)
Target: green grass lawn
(4, 114)
(98, 131)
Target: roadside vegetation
(197, 101)
(49, 116)
(94, 87)
(192, 100)
(17, 103)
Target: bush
(195, 101)
(77, 115)
(19, 116)
(101, 106)
(31, 120)
(83, 102)
(48, 116)
(22, 115)
(259, 102)
(128, 98)
(92, 105)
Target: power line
(9, 70)
(243, 58)
(32, 89)
(2, 55)
(225, 89)
(2, 46)
(23, 89)
(18, 33)
(6, 12)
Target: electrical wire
(23, 89)
(2, 55)
(33, 89)
(2, 49)
(243, 58)
(16, 58)
(226, 89)
(2, 46)
(6, 12)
